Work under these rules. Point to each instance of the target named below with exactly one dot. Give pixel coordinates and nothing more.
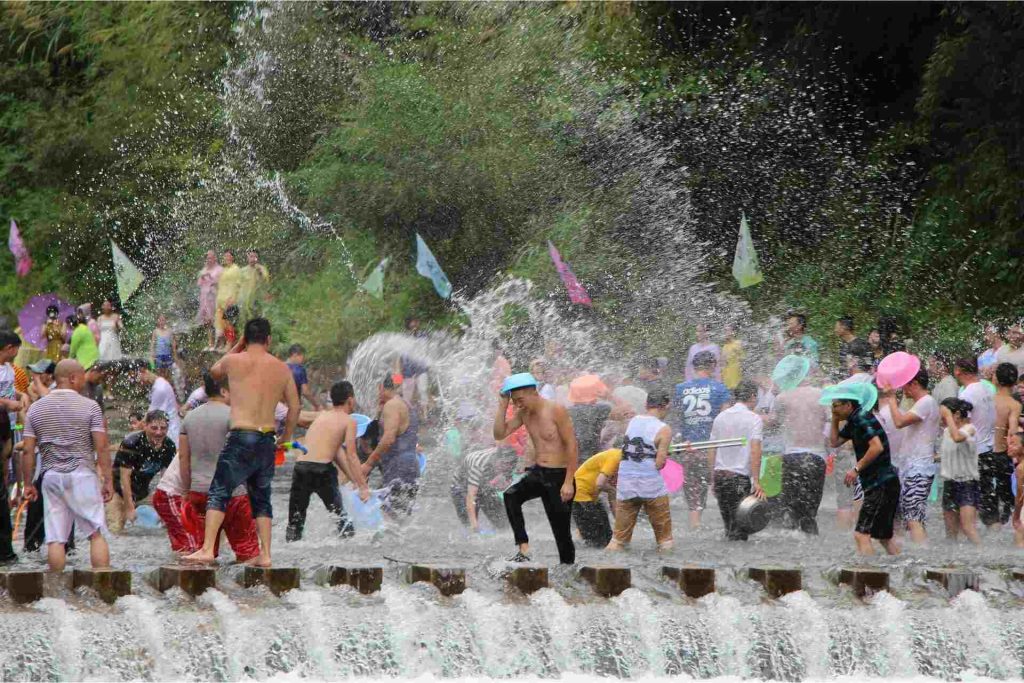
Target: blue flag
(427, 266)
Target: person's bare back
(1007, 417)
(326, 436)
(258, 381)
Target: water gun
(287, 446)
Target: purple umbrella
(32, 317)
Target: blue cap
(362, 422)
(519, 381)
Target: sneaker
(519, 557)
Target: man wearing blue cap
(555, 454)
(330, 442)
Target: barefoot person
(330, 441)
(550, 478)
(69, 431)
(257, 381)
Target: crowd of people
(592, 447)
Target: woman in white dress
(110, 332)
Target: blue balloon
(146, 517)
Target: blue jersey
(695, 406)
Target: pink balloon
(897, 369)
(673, 475)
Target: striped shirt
(62, 424)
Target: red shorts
(239, 526)
(170, 509)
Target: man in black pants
(330, 441)
(551, 477)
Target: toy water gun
(287, 446)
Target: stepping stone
(448, 580)
(192, 579)
(109, 584)
(527, 577)
(277, 579)
(777, 581)
(607, 580)
(364, 579)
(864, 581)
(695, 582)
(23, 587)
(953, 580)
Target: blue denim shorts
(247, 458)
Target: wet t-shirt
(145, 461)
(695, 406)
(861, 428)
(299, 373)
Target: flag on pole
(577, 294)
(22, 261)
(374, 284)
(128, 276)
(427, 266)
(745, 266)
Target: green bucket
(771, 475)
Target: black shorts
(878, 511)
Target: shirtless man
(550, 477)
(396, 451)
(1007, 424)
(257, 381)
(330, 441)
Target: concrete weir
(777, 581)
(277, 579)
(192, 579)
(527, 578)
(448, 580)
(864, 580)
(693, 581)
(607, 580)
(954, 580)
(23, 586)
(109, 584)
(364, 579)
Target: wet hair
(211, 386)
(388, 383)
(800, 318)
(341, 392)
(296, 349)
(847, 322)
(958, 406)
(254, 250)
(658, 398)
(8, 338)
(705, 360)
(136, 414)
(1006, 374)
(154, 415)
(745, 391)
(921, 378)
(257, 331)
(853, 402)
(967, 364)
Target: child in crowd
(163, 348)
(230, 329)
(961, 489)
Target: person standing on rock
(71, 436)
(257, 381)
(550, 478)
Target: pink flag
(577, 294)
(23, 262)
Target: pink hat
(587, 389)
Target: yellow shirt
(606, 463)
(732, 356)
(227, 286)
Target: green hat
(790, 371)
(864, 393)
